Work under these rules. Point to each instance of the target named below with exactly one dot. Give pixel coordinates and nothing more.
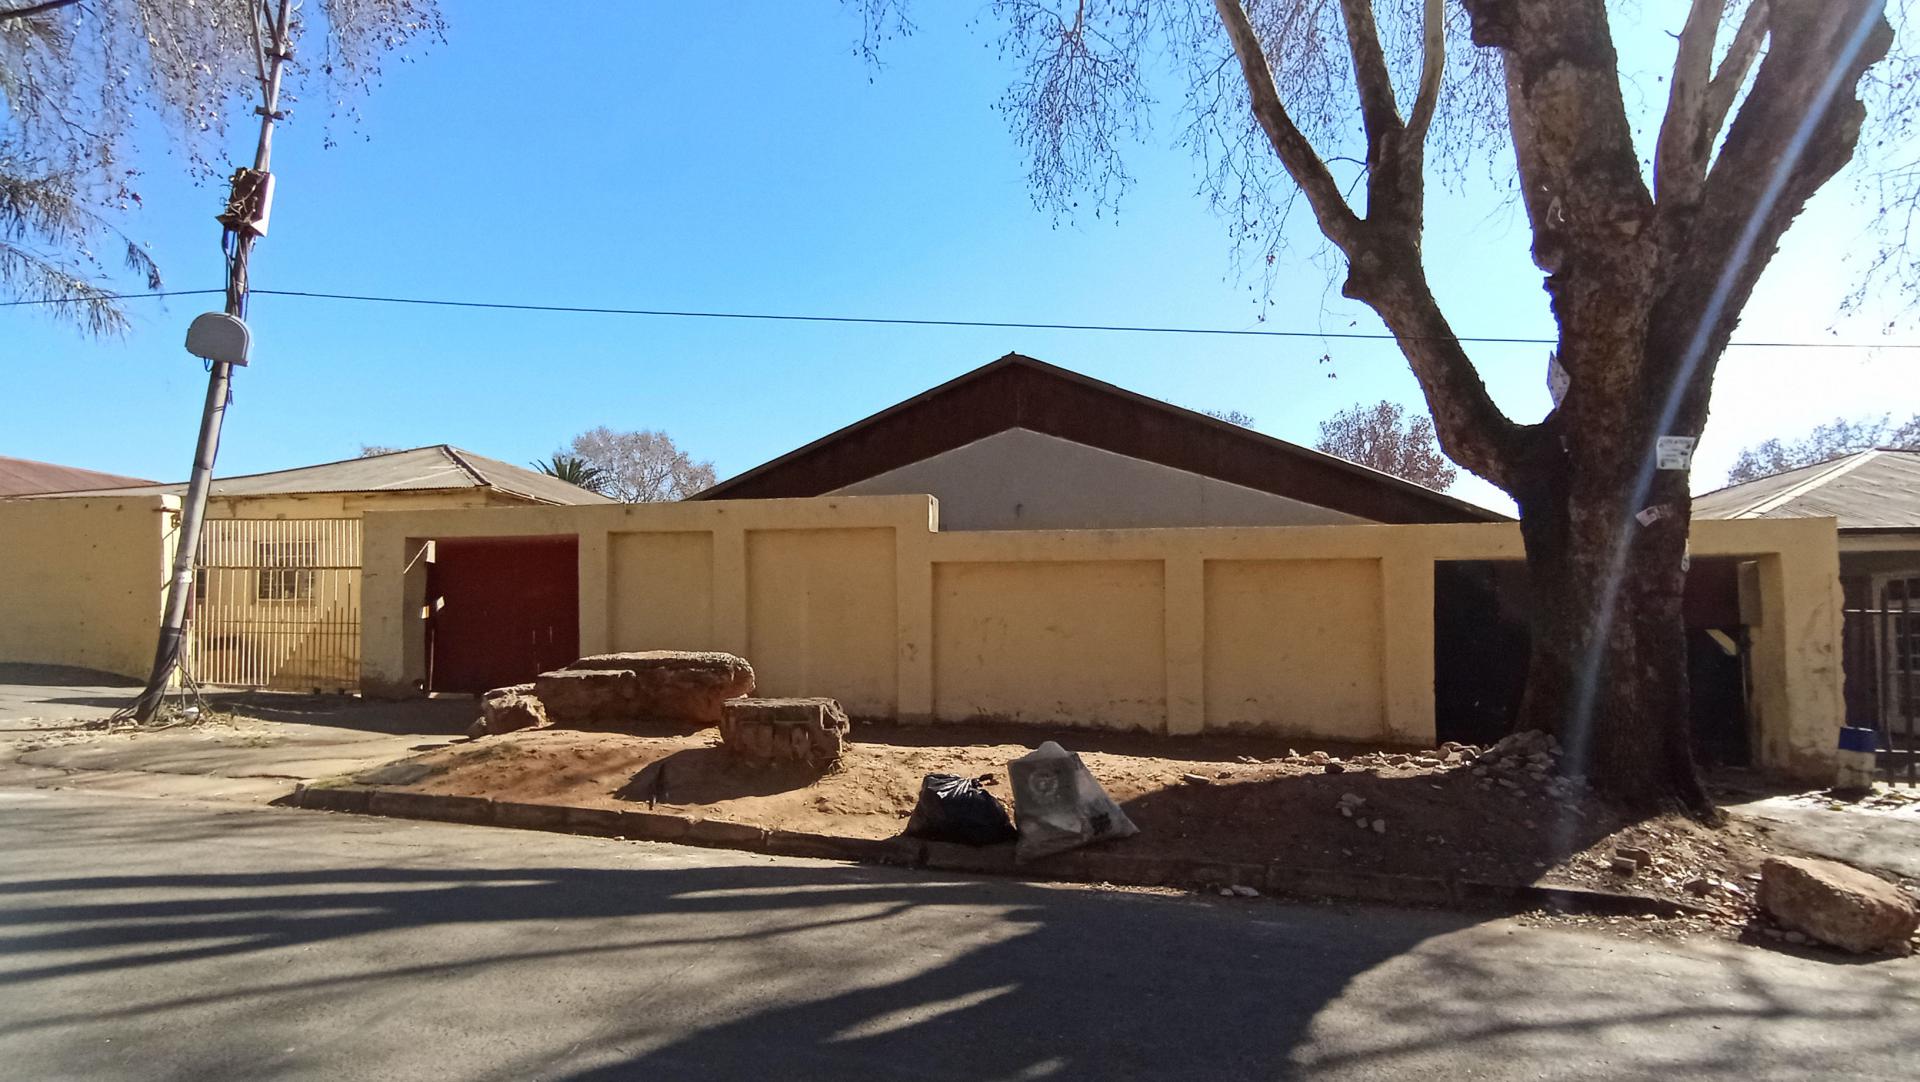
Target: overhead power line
(989, 324)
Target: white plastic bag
(1057, 804)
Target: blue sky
(740, 157)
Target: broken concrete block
(1836, 904)
(812, 731)
(656, 685)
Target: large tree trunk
(1607, 674)
(1646, 295)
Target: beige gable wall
(1025, 480)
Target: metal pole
(166, 655)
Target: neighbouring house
(25, 477)
(278, 573)
(1021, 444)
(438, 475)
(1875, 497)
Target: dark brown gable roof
(1020, 392)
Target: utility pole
(244, 221)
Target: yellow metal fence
(277, 604)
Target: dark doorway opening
(502, 610)
(1481, 641)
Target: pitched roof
(25, 477)
(435, 467)
(1020, 392)
(1867, 490)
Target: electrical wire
(780, 317)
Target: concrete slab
(1882, 840)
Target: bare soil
(1496, 816)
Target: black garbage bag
(957, 809)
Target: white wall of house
(1020, 479)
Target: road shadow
(815, 971)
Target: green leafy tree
(94, 89)
(1649, 246)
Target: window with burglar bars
(286, 570)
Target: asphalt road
(146, 939)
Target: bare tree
(1232, 417)
(1647, 269)
(1838, 437)
(1384, 437)
(639, 467)
(374, 450)
(89, 86)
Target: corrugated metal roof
(25, 477)
(1868, 490)
(437, 467)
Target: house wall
(82, 581)
(1020, 479)
(1323, 632)
(354, 504)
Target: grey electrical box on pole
(220, 338)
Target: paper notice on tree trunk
(1653, 514)
(1673, 452)
(1557, 378)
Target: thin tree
(641, 467)
(1646, 269)
(1831, 440)
(94, 90)
(1384, 437)
(574, 470)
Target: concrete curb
(1089, 865)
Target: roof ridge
(1836, 469)
(454, 454)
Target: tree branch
(1378, 111)
(1733, 72)
(1798, 128)
(1433, 64)
(1300, 160)
(35, 9)
(1679, 168)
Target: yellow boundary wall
(1317, 632)
(82, 581)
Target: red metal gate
(504, 609)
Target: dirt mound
(1500, 815)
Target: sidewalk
(274, 742)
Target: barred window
(286, 570)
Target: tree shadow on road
(720, 966)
